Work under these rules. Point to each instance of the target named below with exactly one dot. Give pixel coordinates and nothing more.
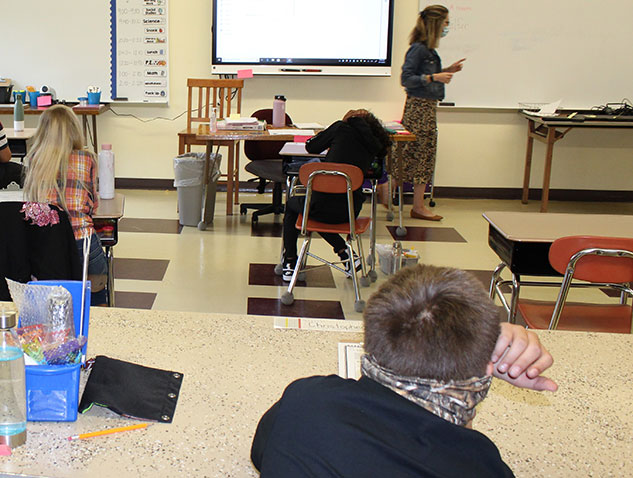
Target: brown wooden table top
(90, 110)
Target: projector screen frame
(299, 67)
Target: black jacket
(28, 251)
(330, 427)
(349, 142)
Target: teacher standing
(423, 79)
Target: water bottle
(18, 114)
(213, 120)
(106, 172)
(279, 111)
(12, 384)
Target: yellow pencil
(108, 431)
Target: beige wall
(476, 148)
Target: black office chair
(266, 164)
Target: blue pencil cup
(94, 98)
(52, 391)
(33, 98)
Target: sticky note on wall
(248, 73)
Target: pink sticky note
(245, 73)
(301, 139)
(5, 450)
(44, 100)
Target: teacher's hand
(444, 77)
(455, 67)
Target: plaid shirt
(81, 202)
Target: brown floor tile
(266, 229)
(264, 274)
(323, 309)
(160, 226)
(140, 269)
(134, 300)
(428, 234)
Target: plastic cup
(33, 98)
(83, 101)
(94, 98)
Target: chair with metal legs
(334, 178)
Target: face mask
(444, 32)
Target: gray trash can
(188, 171)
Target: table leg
(229, 179)
(95, 142)
(528, 163)
(514, 301)
(110, 280)
(181, 144)
(236, 169)
(209, 202)
(551, 132)
(84, 127)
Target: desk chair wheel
(364, 281)
(287, 298)
(279, 269)
(373, 275)
(390, 216)
(432, 203)
(202, 226)
(359, 305)
(401, 231)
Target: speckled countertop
(235, 367)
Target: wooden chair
(203, 94)
(334, 178)
(599, 261)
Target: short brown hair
(432, 322)
(428, 27)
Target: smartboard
(119, 46)
(539, 51)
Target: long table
(83, 112)
(522, 241)
(204, 134)
(549, 131)
(235, 367)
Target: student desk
(549, 131)
(522, 241)
(18, 140)
(235, 367)
(83, 112)
(106, 223)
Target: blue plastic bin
(52, 391)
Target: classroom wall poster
(140, 69)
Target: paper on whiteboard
(349, 356)
(546, 110)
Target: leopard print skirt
(418, 157)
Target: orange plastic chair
(599, 261)
(331, 178)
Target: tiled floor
(229, 267)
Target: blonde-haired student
(61, 172)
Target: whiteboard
(539, 51)
(68, 45)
